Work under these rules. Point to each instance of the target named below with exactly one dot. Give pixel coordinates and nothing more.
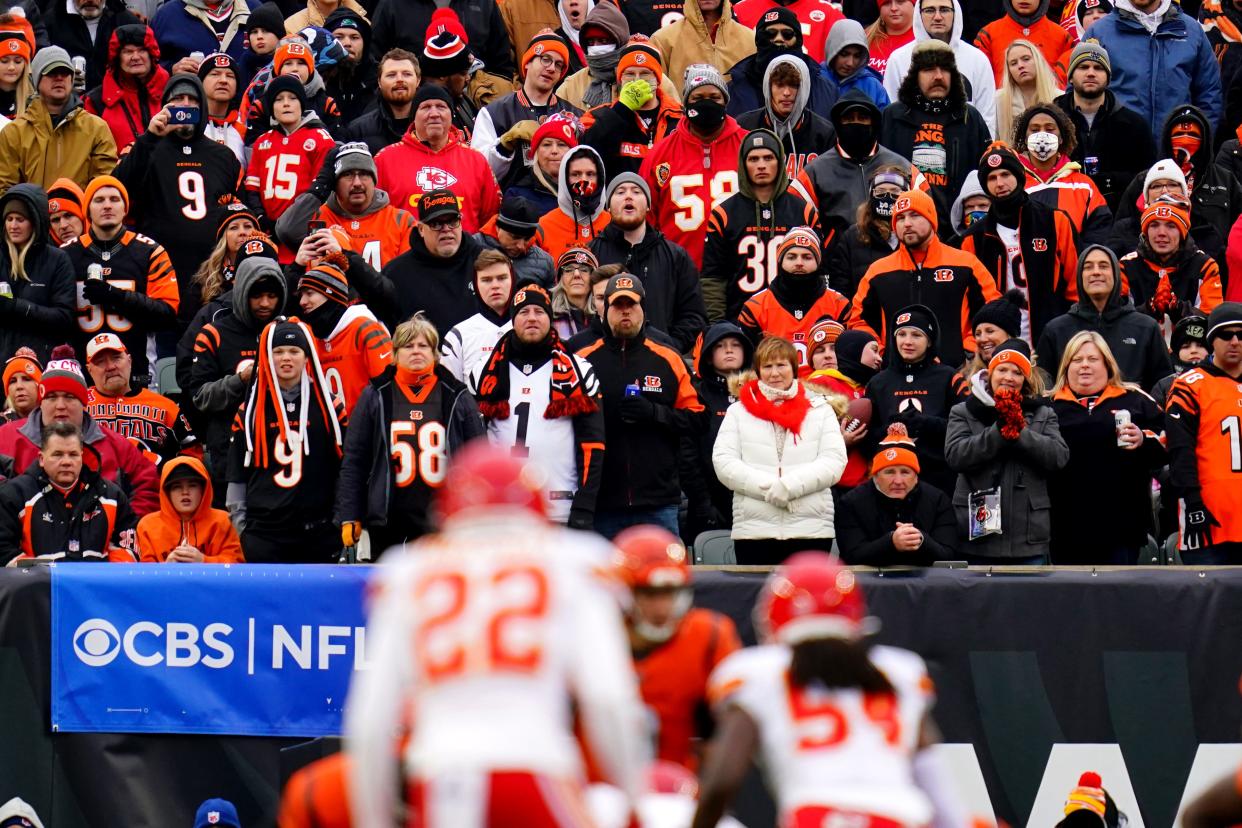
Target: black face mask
(882, 205)
(706, 116)
(856, 139)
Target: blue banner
(249, 650)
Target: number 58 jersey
(839, 749)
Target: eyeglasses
(575, 268)
(551, 60)
(445, 224)
(1229, 335)
(782, 33)
(936, 11)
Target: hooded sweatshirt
(1053, 42)
(411, 168)
(804, 134)
(208, 530)
(124, 103)
(699, 478)
(865, 79)
(816, 16)
(577, 219)
(974, 66)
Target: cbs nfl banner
(253, 650)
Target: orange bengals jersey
(673, 680)
(764, 315)
(1203, 424)
(378, 237)
(357, 351)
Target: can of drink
(198, 56)
(633, 390)
(6, 290)
(1122, 419)
(79, 64)
(94, 271)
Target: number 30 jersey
(833, 748)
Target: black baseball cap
(625, 285)
(438, 204)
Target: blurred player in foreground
(484, 636)
(840, 725)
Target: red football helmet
(664, 777)
(488, 477)
(812, 596)
(653, 558)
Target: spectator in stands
(186, 529)
(435, 274)
(1028, 80)
(803, 133)
(19, 808)
(149, 420)
(1133, 337)
(844, 362)
(135, 293)
(780, 451)
(38, 299)
(280, 497)
(1147, 33)
(892, 29)
(942, 20)
(1188, 347)
(217, 812)
(649, 404)
(296, 146)
(132, 85)
(393, 112)
(179, 183)
(708, 33)
(85, 27)
(469, 343)
(1202, 436)
(22, 375)
(303, 57)
(581, 211)
(264, 29)
(933, 125)
(1027, 246)
(1114, 144)
(430, 155)
(405, 24)
(512, 232)
(365, 282)
(736, 253)
(1215, 195)
(847, 58)
(351, 82)
(386, 487)
(505, 127)
(445, 62)
(63, 398)
(16, 50)
(79, 145)
(726, 353)
(777, 33)
(224, 355)
(183, 27)
(889, 283)
(839, 179)
(993, 324)
(812, 20)
(1005, 445)
(672, 300)
(624, 130)
(1025, 20)
(597, 84)
(899, 520)
(344, 194)
(537, 182)
(572, 310)
(1101, 498)
(1168, 275)
(52, 511)
(870, 237)
(542, 401)
(66, 211)
(917, 390)
(972, 205)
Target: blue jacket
(180, 33)
(746, 88)
(1154, 73)
(866, 80)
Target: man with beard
(778, 32)
(135, 293)
(221, 79)
(84, 27)
(389, 119)
(812, 19)
(745, 229)
(932, 124)
(540, 401)
(470, 342)
(350, 81)
(673, 301)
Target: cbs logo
(96, 642)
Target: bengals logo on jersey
(1040, 245)
(943, 274)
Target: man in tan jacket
(55, 137)
(707, 34)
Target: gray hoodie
(970, 187)
(785, 127)
(565, 199)
(846, 33)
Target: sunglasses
(1229, 335)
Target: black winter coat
(376, 127)
(849, 259)
(1118, 138)
(813, 135)
(746, 87)
(41, 312)
(674, 299)
(69, 31)
(441, 288)
(866, 519)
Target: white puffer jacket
(745, 458)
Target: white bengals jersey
(549, 443)
(481, 638)
(468, 345)
(833, 748)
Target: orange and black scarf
(567, 399)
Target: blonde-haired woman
(779, 451)
(37, 289)
(1101, 500)
(16, 85)
(893, 29)
(1028, 80)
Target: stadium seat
(165, 374)
(714, 547)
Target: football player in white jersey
(539, 400)
(484, 640)
(840, 725)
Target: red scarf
(789, 414)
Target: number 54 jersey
(838, 749)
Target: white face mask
(601, 49)
(1043, 145)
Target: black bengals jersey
(740, 250)
(418, 440)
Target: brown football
(857, 415)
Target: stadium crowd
(922, 281)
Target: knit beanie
(293, 50)
(432, 92)
(288, 332)
(63, 373)
(1224, 315)
(760, 139)
(1167, 208)
(531, 294)
(850, 346)
(641, 52)
(562, 126)
(800, 237)
(65, 196)
(628, 178)
(1188, 329)
(1088, 796)
(327, 276)
(14, 40)
(255, 245)
(1089, 49)
(545, 42)
(445, 49)
(1014, 351)
(703, 74)
(284, 83)
(999, 156)
(576, 255)
(354, 157)
(917, 201)
(98, 183)
(219, 60)
(823, 332)
(1165, 169)
(1003, 313)
(233, 211)
(919, 317)
(267, 17)
(24, 361)
(1084, 6)
(896, 449)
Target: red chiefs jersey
(673, 680)
(816, 17)
(282, 167)
(688, 178)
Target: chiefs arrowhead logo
(434, 178)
